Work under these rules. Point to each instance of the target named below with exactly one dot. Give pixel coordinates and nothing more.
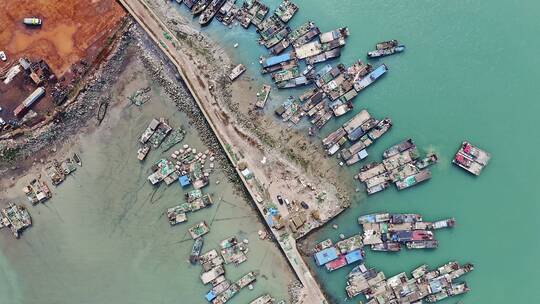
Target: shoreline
(179, 99)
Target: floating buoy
(335, 226)
(235, 45)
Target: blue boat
(370, 78)
(271, 61)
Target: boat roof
(324, 256)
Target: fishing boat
(386, 44)
(77, 159)
(211, 11)
(142, 152)
(386, 52)
(362, 83)
(226, 11)
(237, 71)
(264, 299)
(262, 96)
(175, 137)
(387, 247)
(429, 160)
(190, 3)
(200, 7)
(196, 250)
(398, 148)
(422, 244)
(286, 10)
(342, 108)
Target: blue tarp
(184, 180)
(276, 60)
(210, 296)
(354, 256)
(326, 255)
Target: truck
(32, 21)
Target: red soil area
(70, 29)
(73, 32)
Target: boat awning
(184, 180)
(326, 255)
(354, 256)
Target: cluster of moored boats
(230, 251)
(343, 253)
(388, 232)
(360, 131)
(58, 171)
(425, 285)
(307, 43)
(37, 191)
(159, 134)
(189, 167)
(195, 201)
(17, 217)
(185, 165)
(401, 165)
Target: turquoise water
(470, 71)
(103, 236)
